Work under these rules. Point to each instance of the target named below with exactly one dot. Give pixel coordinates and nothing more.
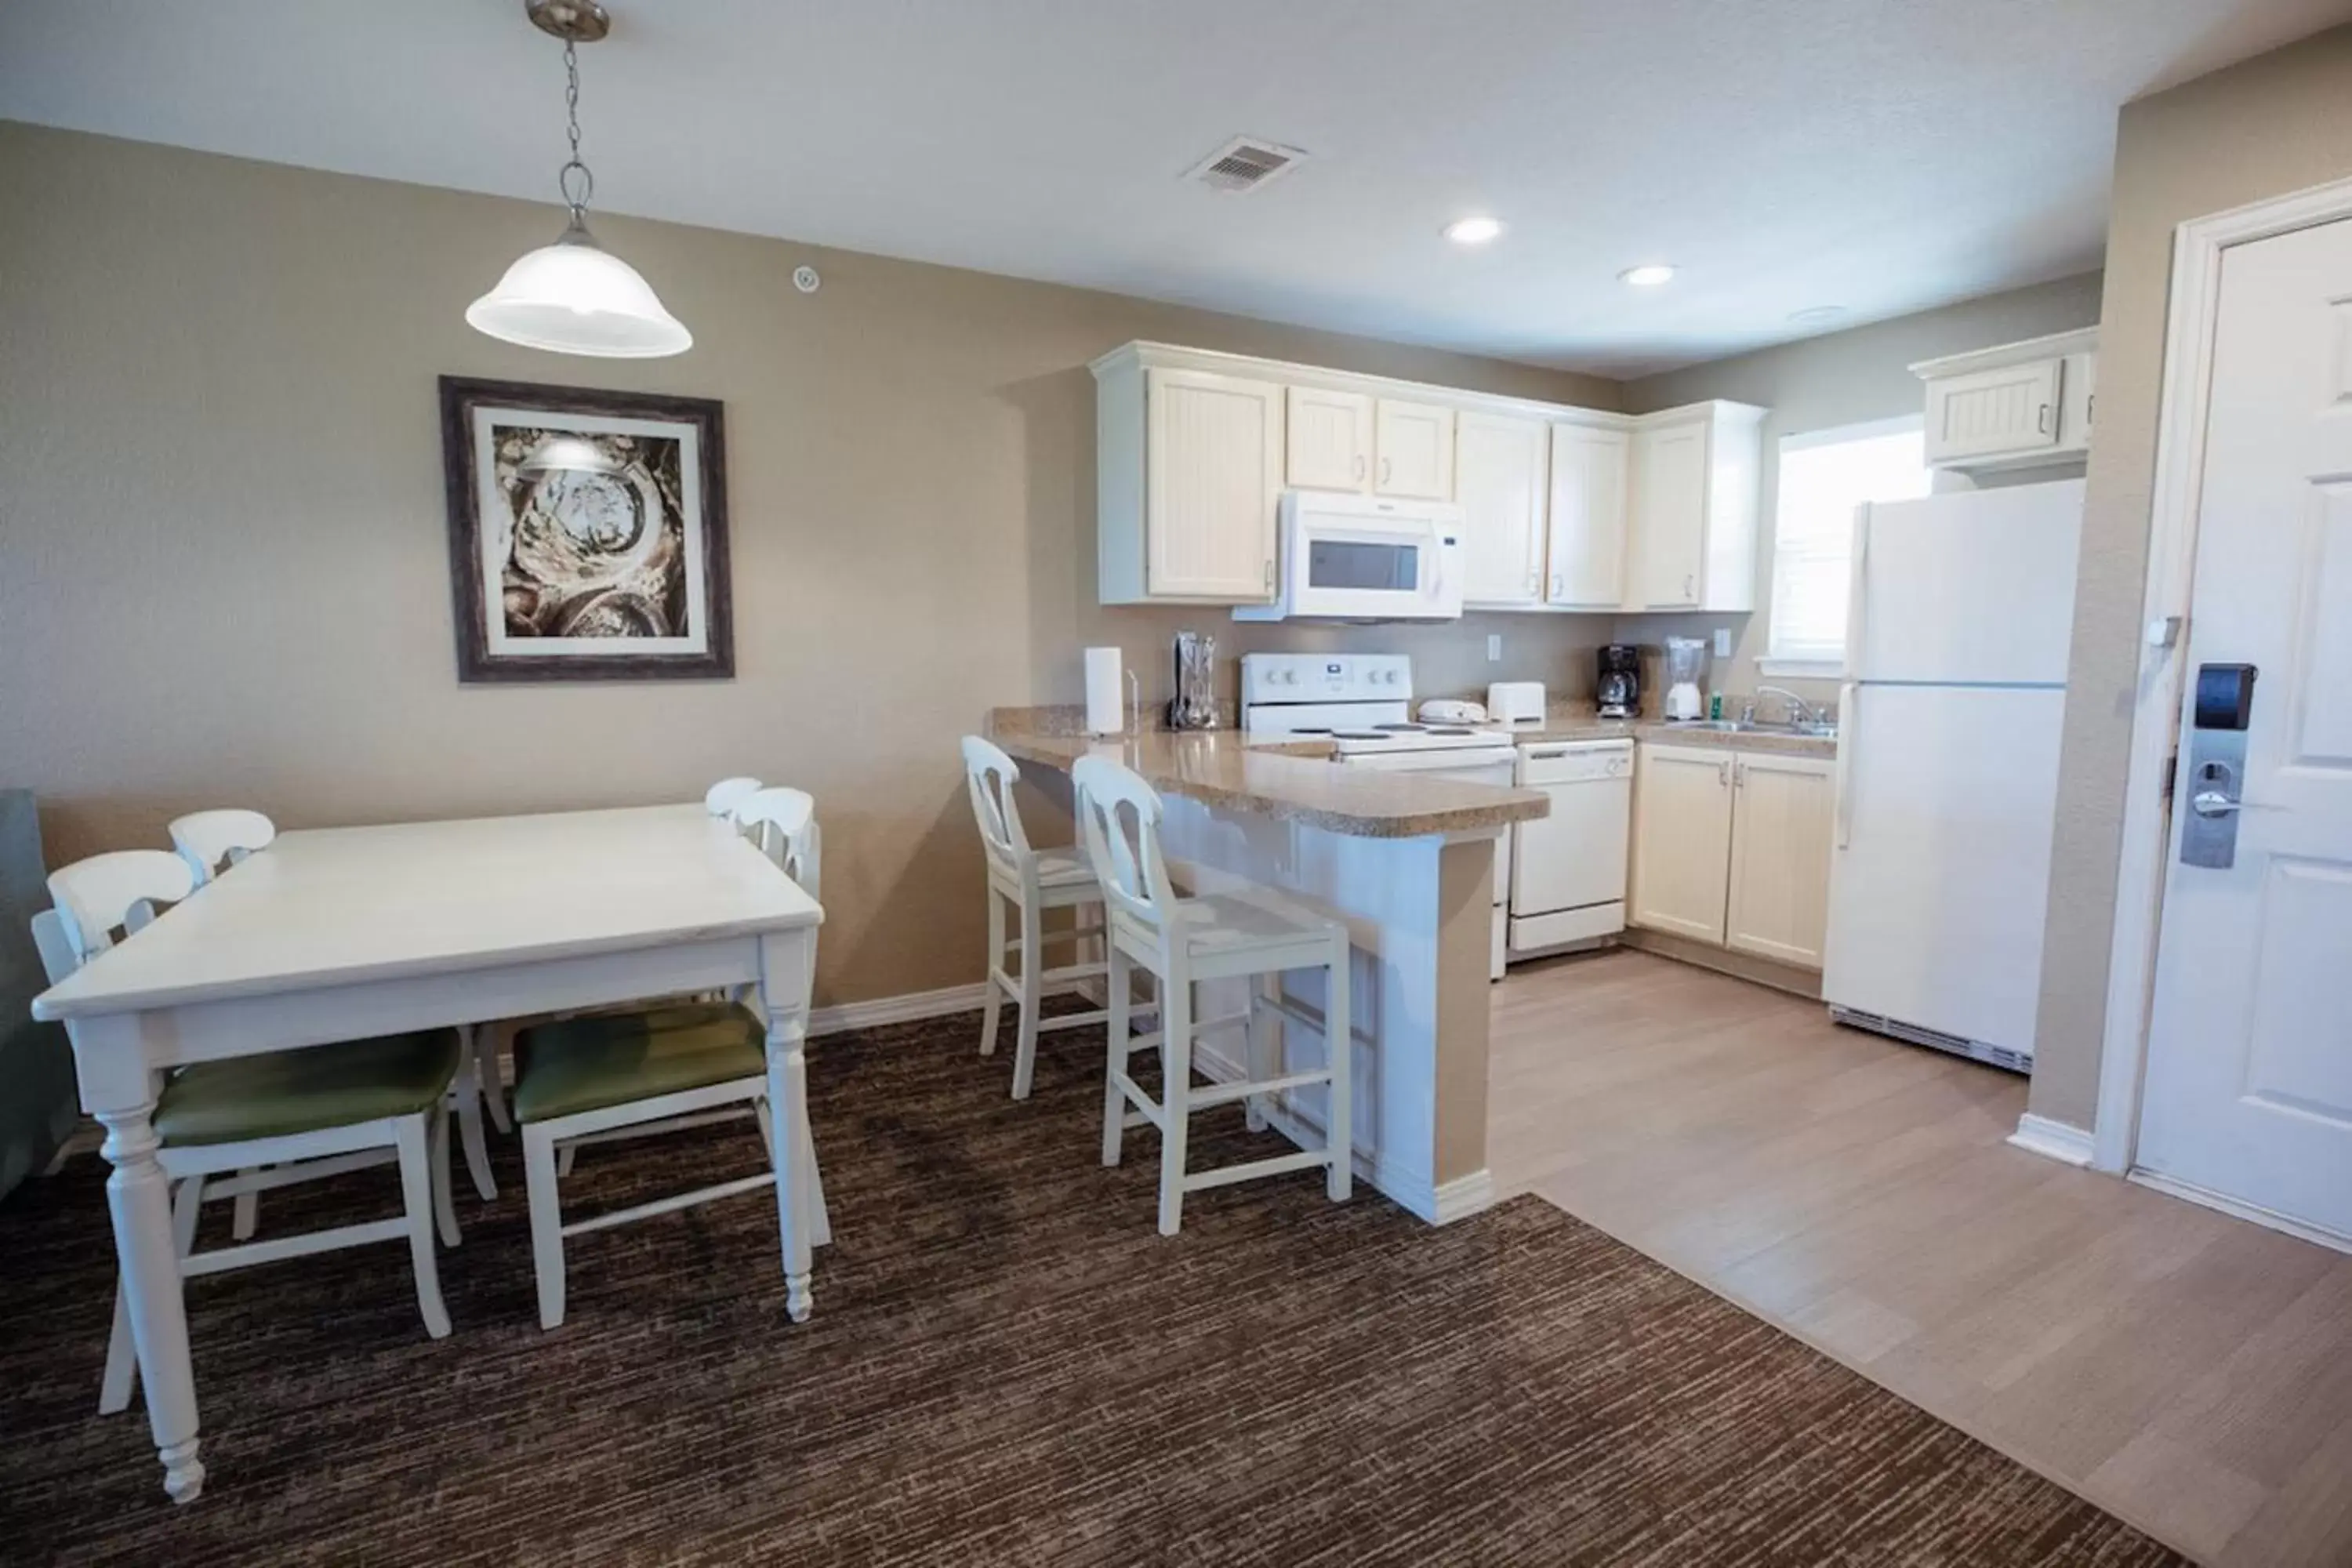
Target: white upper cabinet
(1499, 471)
(1670, 482)
(1588, 524)
(1189, 470)
(1564, 510)
(1694, 479)
(1413, 451)
(2015, 406)
(1331, 439)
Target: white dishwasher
(1568, 869)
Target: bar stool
(1254, 935)
(1031, 881)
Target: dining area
(251, 1012)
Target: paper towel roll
(1106, 694)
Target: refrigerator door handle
(1849, 695)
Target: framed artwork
(587, 533)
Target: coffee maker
(1620, 681)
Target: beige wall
(2275, 124)
(1842, 378)
(224, 575)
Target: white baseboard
(2157, 1181)
(2059, 1141)
(1464, 1195)
(900, 1009)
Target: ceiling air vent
(1244, 164)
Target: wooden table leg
(785, 961)
(138, 1195)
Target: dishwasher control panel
(1575, 761)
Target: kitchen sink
(1759, 727)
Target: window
(1824, 476)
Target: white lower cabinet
(1783, 813)
(1682, 839)
(1733, 848)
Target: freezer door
(1940, 873)
(1972, 588)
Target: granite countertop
(1579, 721)
(1292, 782)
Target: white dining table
(340, 933)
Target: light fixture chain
(578, 203)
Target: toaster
(1516, 701)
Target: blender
(1684, 659)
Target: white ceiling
(1881, 155)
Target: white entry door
(2248, 1087)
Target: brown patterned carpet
(1007, 1364)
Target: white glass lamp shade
(576, 298)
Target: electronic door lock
(2221, 713)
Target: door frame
(2190, 328)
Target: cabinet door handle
(1359, 466)
(2041, 420)
(1555, 585)
(1384, 471)
(1723, 773)
(1690, 586)
(1269, 576)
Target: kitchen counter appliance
(1620, 687)
(1361, 702)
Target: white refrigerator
(1947, 767)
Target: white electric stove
(1362, 702)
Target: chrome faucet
(1801, 713)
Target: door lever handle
(2214, 803)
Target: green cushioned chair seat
(614, 1058)
(286, 1092)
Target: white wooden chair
(210, 842)
(304, 1115)
(492, 1040)
(1254, 934)
(1031, 881)
(603, 1076)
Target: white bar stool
(1031, 881)
(1256, 935)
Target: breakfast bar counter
(1406, 859)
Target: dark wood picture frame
(460, 397)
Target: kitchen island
(1405, 859)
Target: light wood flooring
(2188, 1372)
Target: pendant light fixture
(574, 297)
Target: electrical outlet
(1723, 642)
(1494, 647)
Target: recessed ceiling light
(1817, 315)
(1649, 274)
(1473, 230)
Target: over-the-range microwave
(1362, 558)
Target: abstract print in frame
(587, 532)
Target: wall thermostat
(805, 280)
